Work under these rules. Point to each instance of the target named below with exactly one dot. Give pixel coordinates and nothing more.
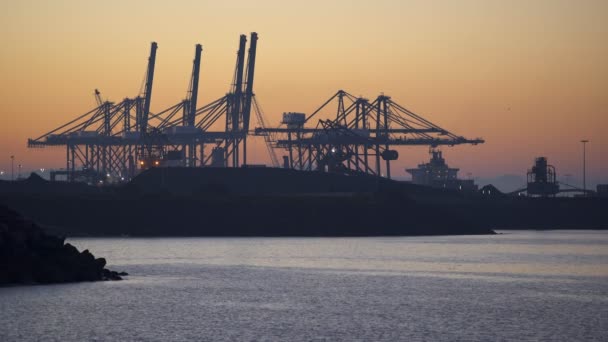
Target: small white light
(333, 150)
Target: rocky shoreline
(28, 255)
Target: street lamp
(19, 174)
(584, 141)
(12, 168)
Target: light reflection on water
(565, 253)
(521, 285)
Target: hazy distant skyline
(530, 77)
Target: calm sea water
(519, 286)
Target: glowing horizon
(530, 78)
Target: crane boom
(98, 97)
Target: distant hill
(504, 183)
(35, 184)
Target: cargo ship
(436, 173)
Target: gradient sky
(530, 77)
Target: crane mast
(148, 92)
(238, 84)
(193, 91)
(249, 90)
(235, 104)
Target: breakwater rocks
(30, 256)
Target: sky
(530, 77)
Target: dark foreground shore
(168, 215)
(28, 255)
(277, 202)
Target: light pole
(584, 141)
(12, 168)
(19, 174)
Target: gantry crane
(358, 138)
(360, 130)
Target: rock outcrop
(28, 255)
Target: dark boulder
(30, 256)
(111, 275)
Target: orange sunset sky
(530, 77)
